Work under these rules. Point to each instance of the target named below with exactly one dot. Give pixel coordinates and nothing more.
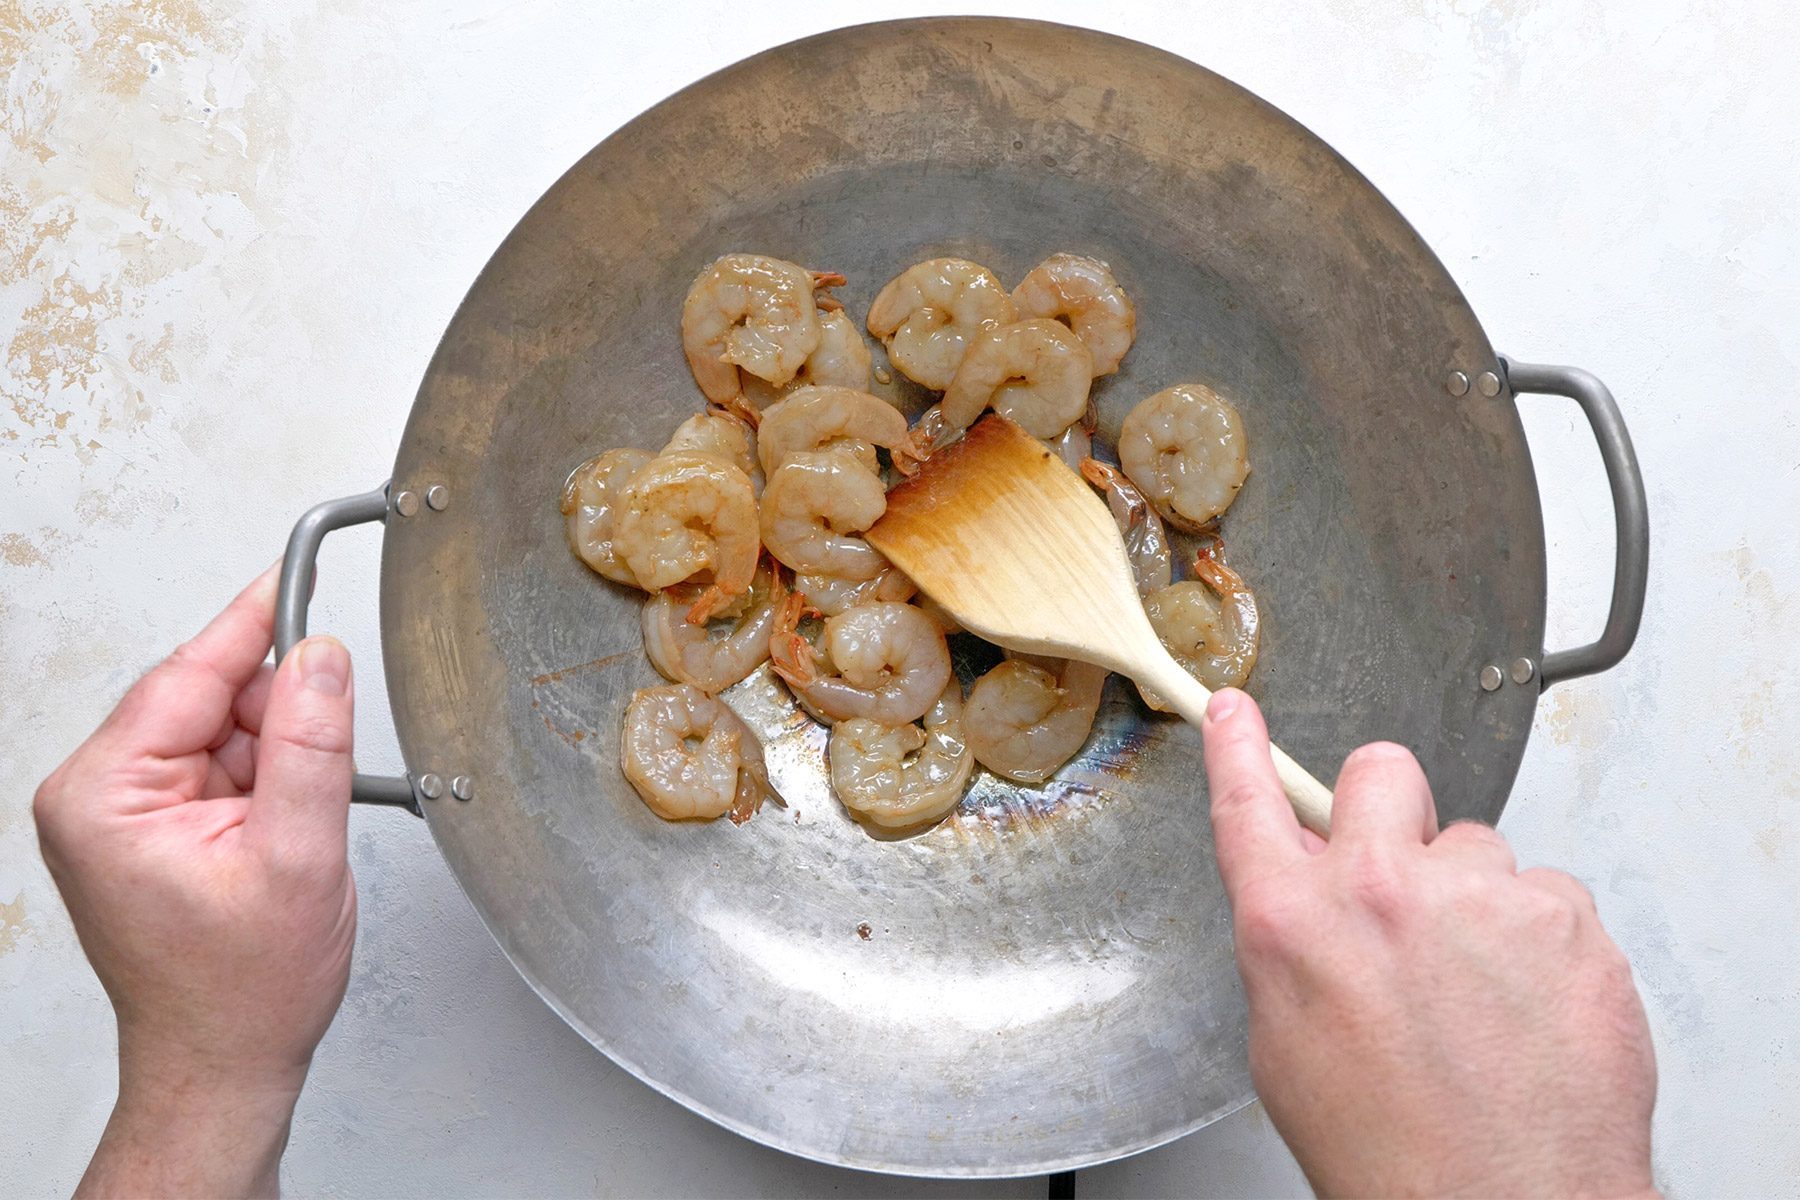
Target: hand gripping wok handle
(1310, 798)
(1631, 555)
(295, 593)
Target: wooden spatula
(1004, 535)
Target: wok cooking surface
(1045, 980)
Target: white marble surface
(230, 240)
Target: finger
(236, 758)
(218, 782)
(1475, 844)
(302, 789)
(1382, 796)
(247, 710)
(1561, 884)
(1254, 827)
(181, 704)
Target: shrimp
(815, 506)
(712, 658)
(1209, 623)
(842, 360)
(1035, 372)
(1083, 293)
(1075, 444)
(752, 313)
(933, 431)
(901, 777)
(830, 595)
(690, 758)
(1029, 715)
(881, 661)
(1185, 449)
(927, 314)
(590, 506)
(1146, 541)
(689, 516)
(826, 418)
(719, 433)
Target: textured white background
(231, 239)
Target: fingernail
(1222, 705)
(325, 665)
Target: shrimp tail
(1106, 480)
(753, 788)
(740, 408)
(790, 655)
(828, 303)
(1097, 473)
(915, 449)
(705, 605)
(1210, 568)
(827, 279)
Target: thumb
(303, 769)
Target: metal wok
(1045, 980)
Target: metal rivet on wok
(1487, 383)
(462, 787)
(406, 503)
(438, 496)
(1491, 679)
(1456, 383)
(431, 786)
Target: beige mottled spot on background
(31, 100)
(123, 32)
(154, 356)
(25, 229)
(1579, 718)
(19, 551)
(12, 922)
(57, 343)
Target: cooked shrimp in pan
(900, 777)
(690, 758)
(882, 661)
(826, 418)
(715, 654)
(720, 433)
(1082, 292)
(815, 507)
(927, 314)
(590, 507)
(752, 313)
(830, 595)
(841, 360)
(1185, 449)
(1146, 541)
(1209, 623)
(1029, 715)
(1075, 444)
(752, 521)
(1036, 373)
(689, 516)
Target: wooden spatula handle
(1310, 798)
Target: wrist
(195, 1124)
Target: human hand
(1424, 1018)
(198, 838)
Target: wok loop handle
(295, 594)
(1631, 518)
